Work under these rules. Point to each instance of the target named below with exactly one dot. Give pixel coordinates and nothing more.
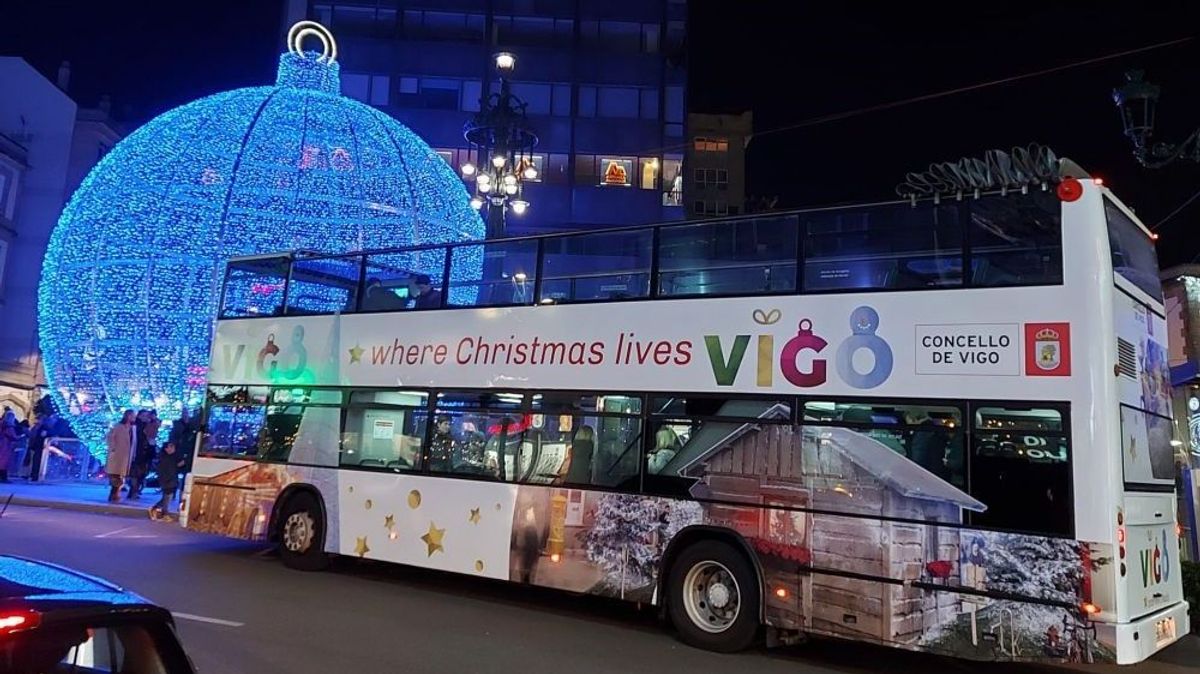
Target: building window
(707, 144)
(409, 85)
(649, 103)
(557, 169)
(472, 91)
(537, 161)
(710, 207)
(624, 36)
(648, 170)
(618, 102)
(440, 94)
(587, 101)
(447, 156)
(560, 105)
(356, 86)
(672, 173)
(674, 105)
(380, 84)
(616, 171)
(536, 96)
(650, 38)
(716, 178)
(585, 169)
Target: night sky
(787, 65)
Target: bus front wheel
(302, 533)
(713, 598)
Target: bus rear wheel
(302, 534)
(713, 597)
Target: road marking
(206, 619)
(117, 531)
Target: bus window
(409, 279)
(739, 257)
(493, 274)
(930, 436)
(1016, 240)
(1021, 469)
(323, 285)
(582, 449)
(301, 424)
(385, 430)
(691, 438)
(254, 287)
(884, 247)
(600, 266)
(1133, 256)
(233, 429)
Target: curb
(97, 508)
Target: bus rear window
(1133, 256)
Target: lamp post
(1137, 101)
(504, 140)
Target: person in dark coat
(169, 463)
(43, 431)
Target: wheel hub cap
(298, 532)
(718, 595)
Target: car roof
(47, 587)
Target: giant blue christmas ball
(131, 275)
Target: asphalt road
(240, 610)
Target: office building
(716, 164)
(604, 85)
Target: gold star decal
(479, 565)
(356, 353)
(474, 518)
(414, 499)
(389, 521)
(433, 539)
(360, 546)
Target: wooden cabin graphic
(238, 502)
(808, 473)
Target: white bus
(938, 425)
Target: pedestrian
(169, 463)
(121, 441)
(143, 453)
(42, 431)
(8, 441)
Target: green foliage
(1191, 592)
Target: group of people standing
(133, 451)
(16, 436)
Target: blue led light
(130, 279)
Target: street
(240, 610)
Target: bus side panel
(235, 498)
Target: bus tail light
(1089, 609)
(1070, 189)
(555, 557)
(19, 621)
(781, 593)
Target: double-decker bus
(940, 425)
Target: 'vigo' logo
(1156, 562)
(864, 321)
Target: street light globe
(498, 161)
(506, 61)
(530, 173)
(510, 189)
(485, 187)
(510, 179)
(520, 206)
(476, 203)
(484, 179)
(468, 169)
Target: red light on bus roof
(18, 621)
(1121, 535)
(1098, 181)
(1153, 236)
(1070, 189)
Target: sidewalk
(78, 496)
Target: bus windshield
(1133, 256)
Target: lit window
(616, 171)
(649, 171)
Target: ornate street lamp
(505, 142)
(1137, 101)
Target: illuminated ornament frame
(131, 275)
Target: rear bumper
(1136, 641)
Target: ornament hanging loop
(302, 29)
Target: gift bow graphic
(767, 317)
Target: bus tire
(713, 597)
(302, 533)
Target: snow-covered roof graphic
(882, 462)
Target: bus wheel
(302, 534)
(713, 597)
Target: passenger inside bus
(666, 446)
(423, 294)
(379, 297)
